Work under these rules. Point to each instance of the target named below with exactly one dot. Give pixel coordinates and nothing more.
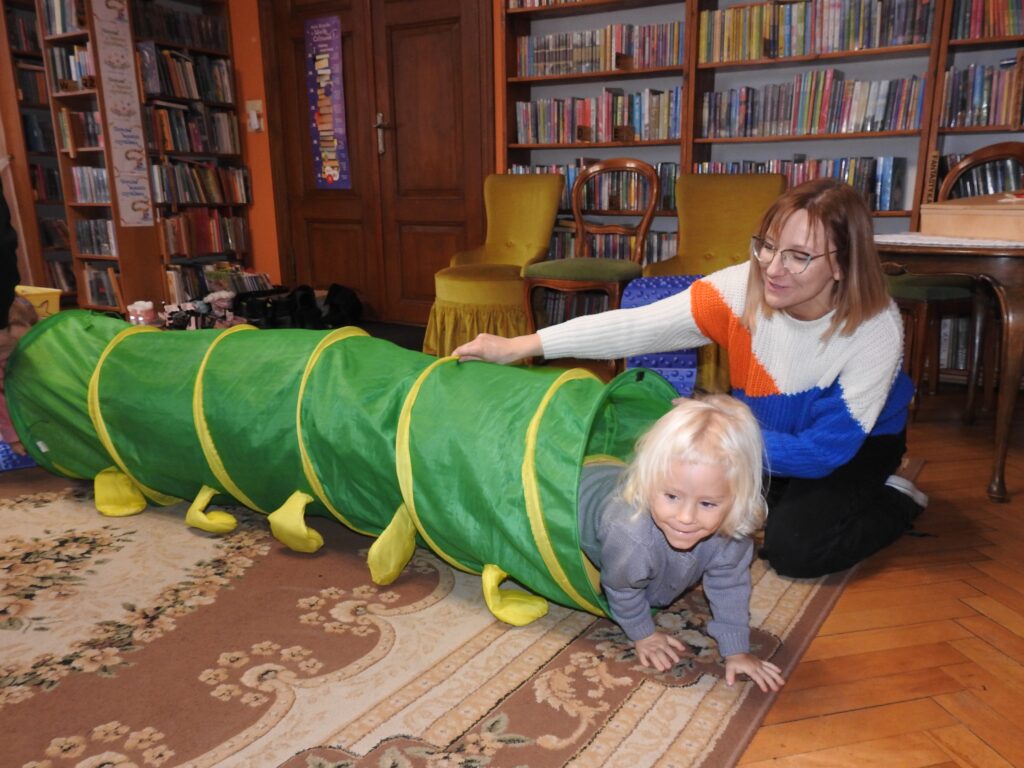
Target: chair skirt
(474, 299)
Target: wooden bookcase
(97, 121)
(906, 58)
(201, 186)
(591, 94)
(987, 48)
(35, 188)
(145, 145)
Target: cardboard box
(45, 300)
(991, 217)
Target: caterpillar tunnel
(479, 463)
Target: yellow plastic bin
(45, 300)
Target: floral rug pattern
(139, 642)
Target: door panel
(333, 235)
(433, 76)
(425, 66)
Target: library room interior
(258, 256)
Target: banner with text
(326, 89)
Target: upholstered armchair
(481, 291)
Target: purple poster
(327, 103)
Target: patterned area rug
(140, 642)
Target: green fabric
(47, 385)
(603, 270)
(484, 458)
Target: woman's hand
(764, 673)
(658, 650)
(497, 349)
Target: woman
(815, 348)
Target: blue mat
(680, 366)
(11, 460)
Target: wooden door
(418, 106)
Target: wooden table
(1001, 265)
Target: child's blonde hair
(715, 429)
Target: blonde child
(682, 511)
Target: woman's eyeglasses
(794, 262)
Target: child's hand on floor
(659, 650)
(764, 673)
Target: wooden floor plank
(911, 595)
(992, 660)
(1001, 572)
(916, 750)
(998, 590)
(1001, 695)
(857, 666)
(995, 635)
(991, 727)
(860, 694)
(998, 612)
(794, 738)
(880, 639)
(967, 749)
(840, 621)
(908, 577)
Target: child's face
(691, 503)
(809, 294)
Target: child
(683, 510)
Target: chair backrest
(1003, 169)
(521, 211)
(718, 212)
(615, 186)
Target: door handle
(380, 125)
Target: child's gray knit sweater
(640, 570)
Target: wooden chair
(481, 290)
(619, 187)
(987, 170)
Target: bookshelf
(148, 153)
(96, 118)
(979, 90)
(36, 189)
(848, 88)
(592, 80)
(201, 187)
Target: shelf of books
(95, 110)
(879, 93)
(816, 88)
(583, 81)
(31, 145)
(201, 188)
(980, 94)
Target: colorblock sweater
(816, 401)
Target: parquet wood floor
(921, 662)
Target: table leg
(1012, 366)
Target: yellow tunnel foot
(116, 494)
(216, 521)
(510, 605)
(393, 549)
(288, 524)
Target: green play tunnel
(478, 462)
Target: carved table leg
(1012, 305)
